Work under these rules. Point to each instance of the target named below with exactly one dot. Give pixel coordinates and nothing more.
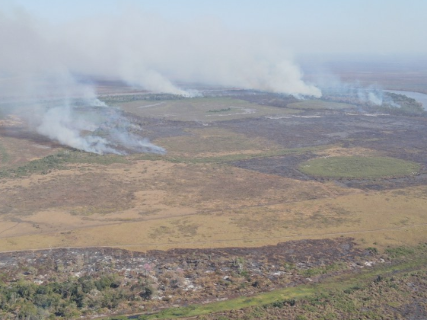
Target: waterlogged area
(420, 97)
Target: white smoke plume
(332, 85)
(147, 50)
(62, 109)
(38, 61)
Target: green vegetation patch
(59, 161)
(399, 252)
(358, 167)
(311, 272)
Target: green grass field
(358, 167)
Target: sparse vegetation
(96, 281)
(386, 290)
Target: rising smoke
(63, 109)
(332, 85)
(38, 62)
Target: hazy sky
(310, 26)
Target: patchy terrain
(233, 178)
(105, 280)
(296, 278)
(225, 174)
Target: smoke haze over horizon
(45, 45)
(39, 62)
(149, 51)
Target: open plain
(236, 172)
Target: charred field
(227, 211)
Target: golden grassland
(160, 204)
(255, 209)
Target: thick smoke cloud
(38, 61)
(147, 50)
